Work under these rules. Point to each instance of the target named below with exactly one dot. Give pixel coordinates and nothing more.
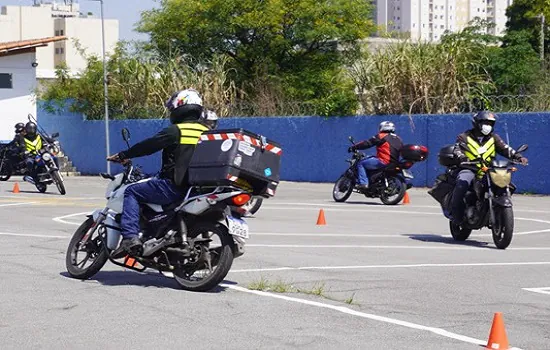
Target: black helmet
(30, 128)
(184, 105)
(19, 127)
(484, 122)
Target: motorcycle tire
(222, 263)
(459, 233)
(6, 172)
(503, 228)
(350, 184)
(41, 187)
(253, 204)
(400, 187)
(59, 182)
(100, 251)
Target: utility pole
(542, 19)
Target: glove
(524, 161)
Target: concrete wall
(315, 149)
(18, 102)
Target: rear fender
(503, 201)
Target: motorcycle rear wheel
(459, 233)
(94, 248)
(253, 204)
(503, 228)
(221, 259)
(5, 172)
(397, 188)
(342, 189)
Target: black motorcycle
(488, 202)
(11, 162)
(389, 183)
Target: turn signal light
(241, 199)
(513, 169)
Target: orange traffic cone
(497, 337)
(16, 188)
(406, 199)
(321, 218)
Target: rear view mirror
(55, 134)
(126, 136)
(522, 148)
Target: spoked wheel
(5, 170)
(503, 227)
(41, 187)
(58, 179)
(213, 260)
(84, 261)
(395, 191)
(342, 189)
(458, 232)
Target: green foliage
(523, 16)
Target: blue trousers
(463, 182)
(372, 163)
(155, 191)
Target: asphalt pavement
(373, 277)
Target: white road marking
(351, 312)
(30, 235)
(408, 266)
(61, 219)
(544, 290)
(350, 246)
(16, 204)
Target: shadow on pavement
(448, 240)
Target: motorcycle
(389, 183)
(177, 238)
(254, 204)
(488, 202)
(11, 162)
(46, 169)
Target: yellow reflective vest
(33, 146)
(474, 151)
(190, 132)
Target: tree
(523, 16)
(300, 44)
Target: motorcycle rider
(388, 147)
(177, 142)
(33, 143)
(479, 142)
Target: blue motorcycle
(47, 168)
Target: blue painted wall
(315, 149)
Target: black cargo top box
(236, 157)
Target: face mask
(486, 129)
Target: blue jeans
(155, 191)
(371, 163)
(463, 182)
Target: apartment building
(49, 19)
(429, 19)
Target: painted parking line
(16, 204)
(400, 266)
(543, 290)
(351, 312)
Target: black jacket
(175, 156)
(500, 146)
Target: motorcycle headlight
(501, 177)
(47, 157)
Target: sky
(126, 11)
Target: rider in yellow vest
(478, 142)
(177, 142)
(32, 143)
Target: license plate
(408, 174)
(237, 227)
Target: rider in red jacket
(388, 147)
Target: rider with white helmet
(388, 147)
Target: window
(56, 32)
(6, 81)
(442, 26)
(57, 50)
(61, 50)
(61, 32)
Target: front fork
(99, 217)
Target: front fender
(503, 201)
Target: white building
(18, 81)
(429, 19)
(54, 19)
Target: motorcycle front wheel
(394, 192)
(503, 227)
(342, 189)
(459, 233)
(59, 182)
(93, 251)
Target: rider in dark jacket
(388, 147)
(478, 142)
(177, 142)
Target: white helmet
(210, 118)
(386, 126)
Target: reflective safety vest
(486, 152)
(33, 146)
(190, 132)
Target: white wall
(17, 103)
